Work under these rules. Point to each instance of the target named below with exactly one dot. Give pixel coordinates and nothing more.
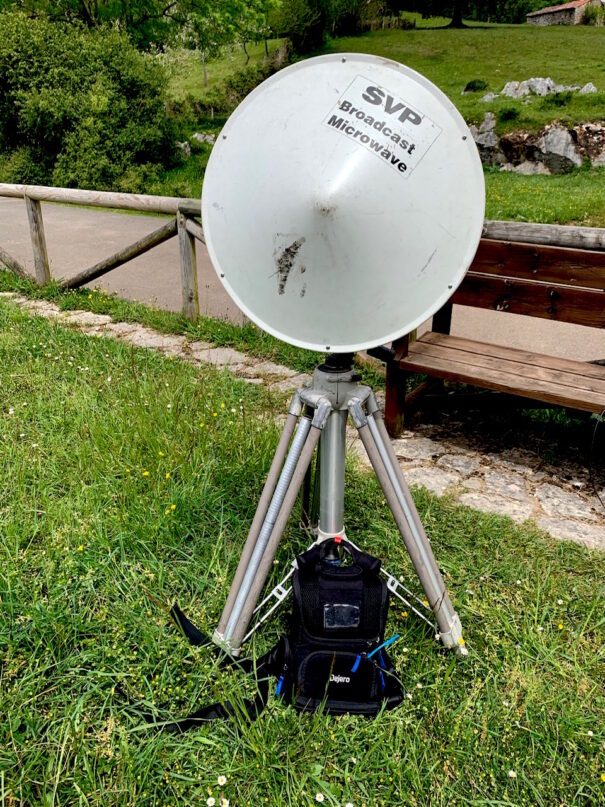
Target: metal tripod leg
(261, 557)
(261, 510)
(381, 455)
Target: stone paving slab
(506, 481)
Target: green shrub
(222, 100)
(78, 108)
(476, 85)
(508, 113)
(407, 23)
(557, 99)
(594, 15)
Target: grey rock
(93, 330)
(222, 357)
(290, 384)
(85, 318)
(473, 483)
(268, 368)
(196, 347)
(558, 502)
(487, 141)
(541, 86)
(517, 460)
(526, 168)
(417, 448)
(488, 124)
(203, 137)
(8, 294)
(515, 89)
(558, 150)
(462, 464)
(42, 309)
(147, 337)
(488, 97)
(599, 160)
(185, 148)
(587, 89)
(518, 511)
(507, 485)
(588, 534)
(121, 329)
(433, 479)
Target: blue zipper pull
(279, 686)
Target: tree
(305, 22)
(207, 26)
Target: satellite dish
(343, 202)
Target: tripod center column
(332, 474)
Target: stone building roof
(564, 7)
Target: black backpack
(334, 655)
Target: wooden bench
(533, 270)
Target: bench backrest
(557, 283)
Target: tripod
(318, 413)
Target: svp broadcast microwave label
(385, 124)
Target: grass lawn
(570, 55)
(131, 479)
(574, 198)
(497, 54)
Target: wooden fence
(185, 224)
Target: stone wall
(565, 17)
(555, 149)
(568, 16)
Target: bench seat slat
(583, 268)
(580, 368)
(522, 382)
(479, 360)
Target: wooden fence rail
(185, 224)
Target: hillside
(451, 58)
(497, 54)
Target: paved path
(487, 475)
(78, 237)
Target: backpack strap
(270, 664)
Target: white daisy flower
(210, 801)
(319, 797)
(222, 780)
(512, 774)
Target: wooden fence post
(36, 230)
(191, 303)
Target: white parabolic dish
(343, 202)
